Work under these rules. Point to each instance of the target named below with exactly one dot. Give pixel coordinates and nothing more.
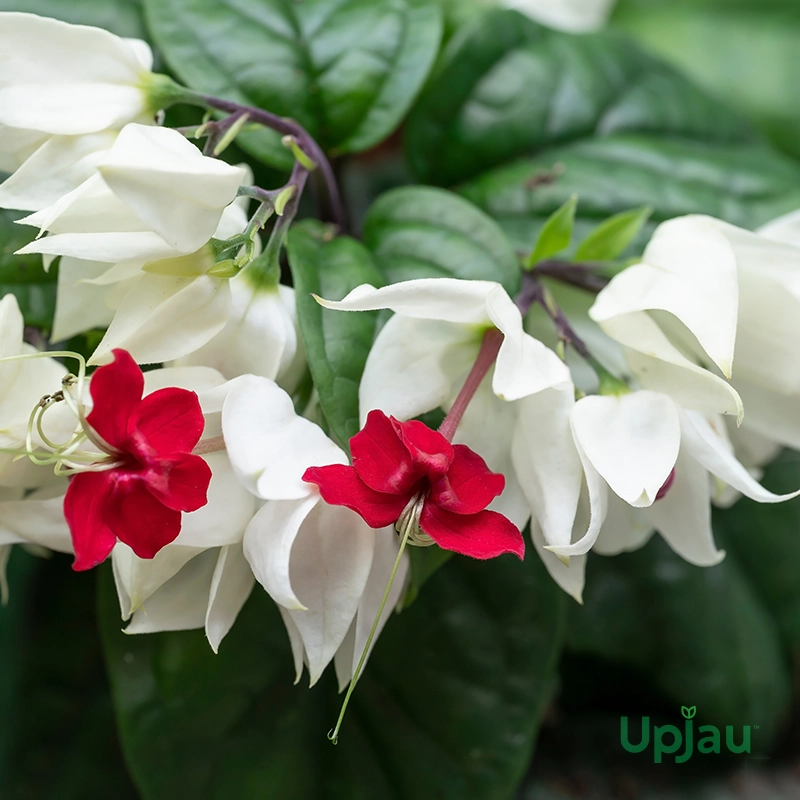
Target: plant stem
(287, 127)
(583, 276)
(490, 346)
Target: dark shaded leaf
(506, 88)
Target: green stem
(410, 522)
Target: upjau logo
(669, 739)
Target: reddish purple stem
(487, 355)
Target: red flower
(393, 462)
(139, 501)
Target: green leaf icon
(688, 712)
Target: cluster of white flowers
(694, 381)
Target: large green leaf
(24, 276)
(337, 343)
(448, 707)
(701, 634)
(507, 87)
(347, 70)
(746, 185)
(57, 738)
(123, 17)
(422, 232)
(744, 51)
(766, 540)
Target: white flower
(23, 383)
(155, 196)
(319, 563)
(200, 579)
(159, 313)
(421, 358)
(70, 79)
(733, 291)
(575, 16)
(260, 336)
(56, 167)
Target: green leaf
(612, 237)
(743, 184)
(556, 233)
(57, 735)
(425, 562)
(744, 51)
(447, 709)
(506, 88)
(700, 634)
(123, 17)
(347, 70)
(422, 232)
(764, 539)
(24, 276)
(337, 343)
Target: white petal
(783, 229)
(625, 529)
(661, 367)
(181, 603)
(775, 416)
(66, 79)
(349, 653)
(228, 512)
(631, 440)
(414, 365)
(170, 184)
(231, 585)
(330, 565)
(569, 577)
(711, 449)
(270, 447)
(138, 579)
(162, 318)
(524, 365)
(769, 327)
(597, 492)
(268, 542)
(201, 380)
(547, 463)
(17, 145)
(80, 306)
(38, 519)
(259, 337)
(683, 517)
(58, 167)
(295, 642)
(690, 271)
(136, 248)
(445, 299)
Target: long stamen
(410, 520)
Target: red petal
(167, 421)
(84, 510)
(483, 535)
(140, 520)
(181, 483)
(469, 485)
(116, 390)
(428, 449)
(340, 485)
(381, 459)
